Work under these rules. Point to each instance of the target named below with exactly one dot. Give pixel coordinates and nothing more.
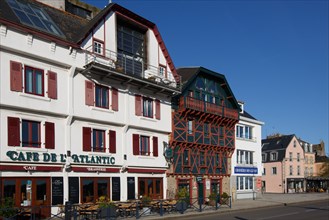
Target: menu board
(74, 189)
(116, 188)
(57, 194)
(131, 187)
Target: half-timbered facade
(84, 105)
(203, 133)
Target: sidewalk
(267, 199)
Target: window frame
(148, 108)
(101, 98)
(34, 81)
(95, 140)
(98, 47)
(144, 145)
(30, 133)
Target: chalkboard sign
(57, 194)
(116, 188)
(74, 189)
(131, 187)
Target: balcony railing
(133, 66)
(207, 107)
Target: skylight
(34, 16)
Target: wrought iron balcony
(207, 107)
(131, 69)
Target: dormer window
(274, 156)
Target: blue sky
(274, 54)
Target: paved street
(274, 203)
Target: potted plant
(183, 199)
(7, 209)
(146, 200)
(106, 207)
(213, 198)
(224, 199)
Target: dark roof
(319, 159)
(247, 115)
(276, 144)
(188, 75)
(70, 25)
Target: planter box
(108, 212)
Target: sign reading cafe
(51, 157)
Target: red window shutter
(89, 93)
(155, 147)
(157, 109)
(135, 144)
(52, 85)
(50, 135)
(138, 105)
(113, 142)
(115, 99)
(13, 131)
(16, 78)
(86, 139)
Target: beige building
(283, 164)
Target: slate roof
(247, 115)
(71, 25)
(188, 74)
(276, 144)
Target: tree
(324, 170)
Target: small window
(162, 71)
(186, 158)
(298, 170)
(274, 171)
(34, 81)
(98, 47)
(290, 156)
(147, 107)
(101, 96)
(273, 156)
(263, 157)
(190, 127)
(98, 140)
(294, 143)
(31, 134)
(298, 157)
(202, 158)
(144, 145)
(264, 171)
(290, 170)
(206, 130)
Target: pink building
(283, 164)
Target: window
(186, 157)
(244, 183)
(206, 130)
(273, 156)
(141, 145)
(144, 107)
(217, 162)
(30, 132)
(202, 158)
(244, 131)
(264, 171)
(244, 157)
(311, 171)
(290, 156)
(294, 143)
(152, 187)
(263, 157)
(298, 157)
(306, 172)
(298, 170)
(131, 49)
(101, 96)
(94, 140)
(162, 71)
(34, 81)
(190, 127)
(290, 170)
(147, 107)
(274, 171)
(93, 188)
(98, 140)
(98, 47)
(144, 148)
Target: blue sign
(246, 170)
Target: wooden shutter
(89, 93)
(138, 105)
(157, 109)
(16, 78)
(155, 147)
(50, 135)
(86, 139)
(115, 99)
(113, 142)
(135, 144)
(13, 131)
(52, 85)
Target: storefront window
(152, 187)
(9, 189)
(93, 188)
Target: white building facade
(247, 158)
(83, 114)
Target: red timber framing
(206, 148)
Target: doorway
(200, 192)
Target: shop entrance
(200, 192)
(26, 192)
